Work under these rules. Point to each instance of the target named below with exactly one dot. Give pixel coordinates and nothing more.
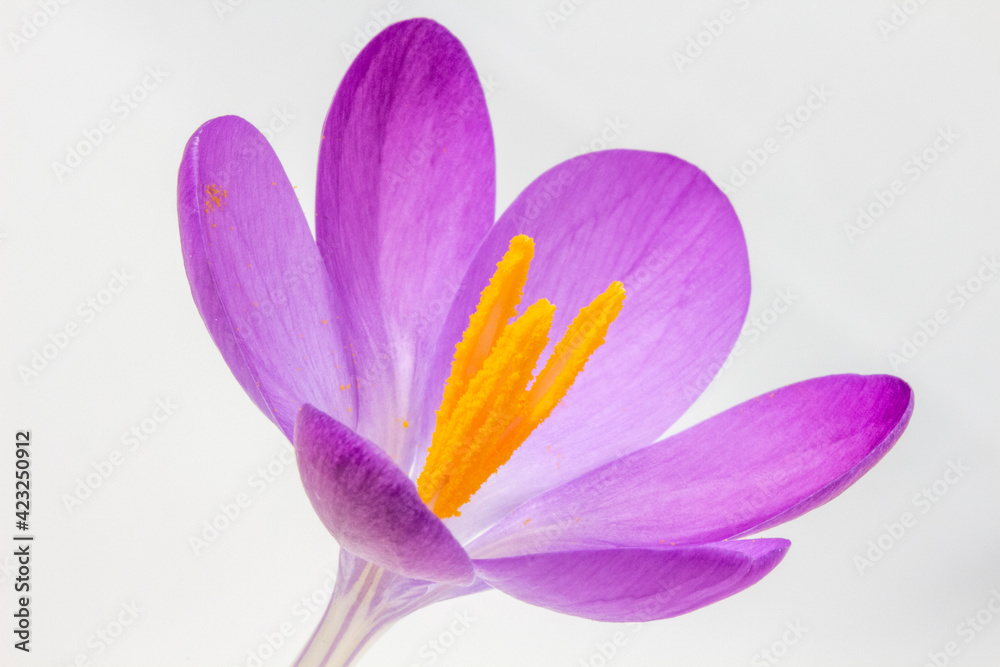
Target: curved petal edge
(758, 464)
(405, 194)
(634, 584)
(660, 226)
(256, 275)
(370, 506)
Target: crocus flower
(449, 447)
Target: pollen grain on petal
(215, 198)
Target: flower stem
(366, 601)
(346, 629)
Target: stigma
(493, 399)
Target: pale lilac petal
(754, 466)
(370, 506)
(634, 584)
(660, 226)
(405, 195)
(256, 275)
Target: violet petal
(625, 584)
(256, 274)
(370, 506)
(660, 226)
(405, 195)
(756, 465)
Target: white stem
(339, 639)
(366, 601)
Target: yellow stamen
(585, 334)
(497, 305)
(494, 398)
(488, 410)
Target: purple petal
(660, 226)
(256, 275)
(405, 196)
(754, 466)
(370, 506)
(634, 584)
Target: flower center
(488, 409)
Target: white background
(557, 85)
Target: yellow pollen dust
(488, 408)
(215, 198)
